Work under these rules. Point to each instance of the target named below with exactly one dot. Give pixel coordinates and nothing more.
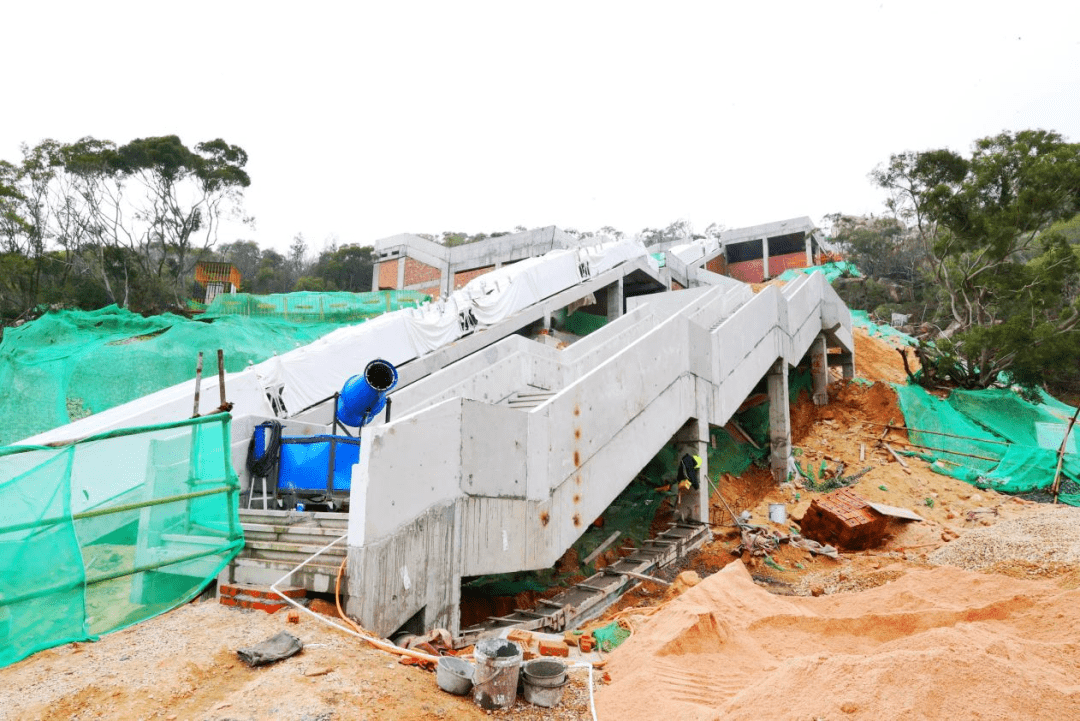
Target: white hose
(379, 642)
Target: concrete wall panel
(404, 469)
(493, 460)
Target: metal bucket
(778, 513)
(544, 680)
(496, 677)
(454, 675)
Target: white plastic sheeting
(308, 374)
(695, 250)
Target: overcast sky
(363, 120)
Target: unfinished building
(502, 447)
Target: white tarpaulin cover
(315, 371)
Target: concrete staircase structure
(276, 542)
(473, 477)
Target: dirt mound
(933, 644)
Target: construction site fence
(112, 530)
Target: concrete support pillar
(765, 258)
(819, 367)
(446, 281)
(809, 249)
(400, 273)
(375, 277)
(693, 439)
(779, 420)
(614, 300)
(848, 366)
(547, 320)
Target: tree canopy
(1006, 275)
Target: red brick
(553, 648)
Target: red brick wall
(748, 271)
(752, 271)
(717, 265)
(417, 272)
(462, 279)
(779, 263)
(676, 285)
(432, 290)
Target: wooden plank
(602, 547)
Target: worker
(687, 475)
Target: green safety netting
(71, 363)
(313, 307)
(861, 319)
(582, 323)
(112, 530)
(832, 271)
(993, 439)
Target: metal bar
(198, 384)
(221, 375)
(937, 433)
(116, 509)
(78, 583)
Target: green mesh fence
(993, 439)
(832, 271)
(112, 530)
(69, 364)
(312, 307)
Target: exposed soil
(882, 634)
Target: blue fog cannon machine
(317, 470)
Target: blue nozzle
(363, 396)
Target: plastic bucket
(454, 675)
(778, 513)
(544, 680)
(496, 677)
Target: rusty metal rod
(221, 374)
(951, 453)
(938, 433)
(198, 383)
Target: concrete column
(819, 365)
(765, 257)
(614, 300)
(693, 438)
(400, 273)
(547, 320)
(779, 420)
(446, 281)
(809, 248)
(375, 277)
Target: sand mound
(942, 643)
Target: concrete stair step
(315, 577)
(294, 519)
(304, 535)
(292, 552)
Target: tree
(158, 199)
(1002, 274)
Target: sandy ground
(883, 633)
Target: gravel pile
(1048, 538)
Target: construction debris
(272, 650)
